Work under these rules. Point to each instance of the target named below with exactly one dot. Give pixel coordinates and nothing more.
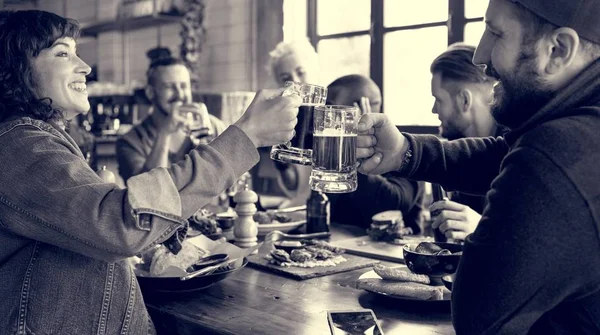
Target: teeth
(80, 87)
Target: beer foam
(333, 132)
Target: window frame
(456, 27)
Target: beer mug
(197, 120)
(299, 149)
(334, 149)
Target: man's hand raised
(380, 144)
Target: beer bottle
(438, 194)
(317, 213)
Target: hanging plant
(193, 35)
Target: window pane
(473, 32)
(338, 16)
(405, 13)
(294, 20)
(407, 80)
(475, 8)
(342, 56)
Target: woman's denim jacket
(65, 234)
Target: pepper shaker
(245, 228)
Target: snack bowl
(419, 261)
(226, 220)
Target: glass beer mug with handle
(334, 160)
(197, 123)
(299, 149)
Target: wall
(240, 33)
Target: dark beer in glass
(299, 149)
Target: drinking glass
(334, 149)
(299, 149)
(197, 119)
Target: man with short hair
(463, 95)
(374, 193)
(532, 266)
(163, 137)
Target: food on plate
(282, 218)
(315, 253)
(428, 248)
(399, 274)
(287, 243)
(387, 226)
(163, 258)
(262, 218)
(323, 245)
(280, 256)
(301, 255)
(270, 217)
(410, 290)
(201, 223)
(320, 253)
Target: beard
(450, 132)
(520, 94)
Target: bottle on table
(438, 194)
(317, 213)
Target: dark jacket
(377, 194)
(65, 234)
(532, 266)
(134, 148)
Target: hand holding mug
(195, 115)
(380, 144)
(270, 119)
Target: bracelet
(406, 158)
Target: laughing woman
(65, 234)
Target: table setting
(280, 269)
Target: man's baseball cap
(581, 15)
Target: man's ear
(561, 47)
(464, 100)
(149, 92)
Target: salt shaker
(245, 228)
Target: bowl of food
(226, 220)
(434, 259)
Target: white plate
(298, 220)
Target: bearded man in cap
(532, 266)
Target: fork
(276, 235)
(209, 269)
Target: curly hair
(283, 49)
(23, 35)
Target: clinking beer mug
(299, 149)
(197, 122)
(334, 163)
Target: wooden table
(257, 302)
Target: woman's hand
(455, 220)
(270, 119)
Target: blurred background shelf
(93, 29)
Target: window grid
(456, 25)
